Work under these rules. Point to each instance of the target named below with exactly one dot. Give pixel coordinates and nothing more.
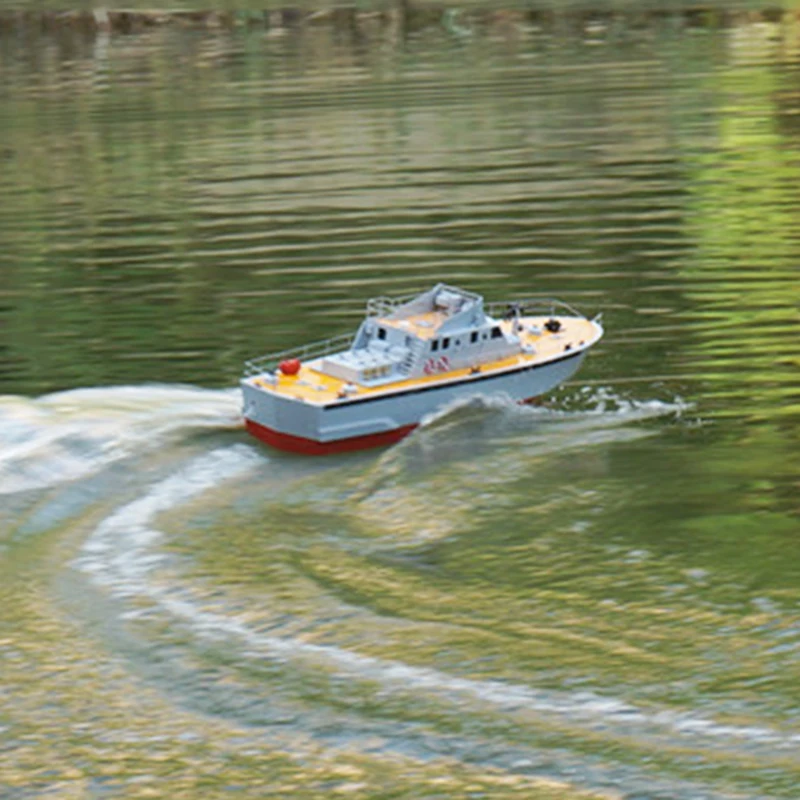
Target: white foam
(117, 556)
(585, 707)
(594, 402)
(64, 436)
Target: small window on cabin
(445, 343)
(496, 332)
(435, 345)
(381, 333)
(473, 337)
(458, 342)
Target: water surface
(595, 597)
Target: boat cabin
(440, 330)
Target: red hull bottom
(310, 447)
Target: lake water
(597, 597)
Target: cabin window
(381, 333)
(473, 337)
(435, 345)
(458, 342)
(445, 343)
(496, 332)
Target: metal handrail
(536, 306)
(383, 306)
(270, 362)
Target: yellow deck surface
(315, 387)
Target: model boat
(409, 357)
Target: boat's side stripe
(450, 384)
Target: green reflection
(742, 277)
(176, 200)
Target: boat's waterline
(311, 447)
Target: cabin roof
(440, 310)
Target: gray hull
(378, 414)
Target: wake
(61, 437)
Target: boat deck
(313, 386)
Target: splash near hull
(310, 447)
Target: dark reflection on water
(601, 591)
(172, 199)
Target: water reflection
(274, 167)
(597, 594)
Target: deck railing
(384, 306)
(270, 362)
(533, 307)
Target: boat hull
(378, 419)
(311, 447)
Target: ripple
(65, 436)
